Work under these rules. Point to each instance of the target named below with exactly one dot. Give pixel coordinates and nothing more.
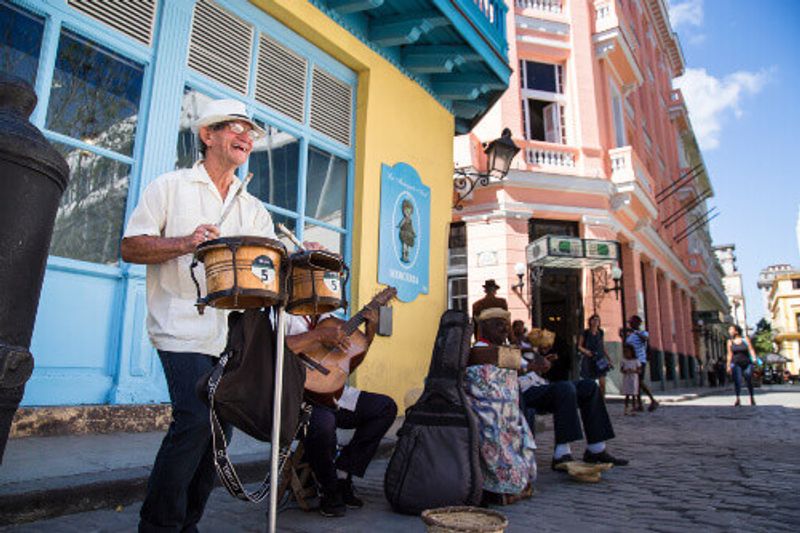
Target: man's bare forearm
(150, 250)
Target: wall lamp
(500, 152)
(519, 270)
(616, 275)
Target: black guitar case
(436, 462)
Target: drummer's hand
(313, 245)
(201, 234)
(333, 337)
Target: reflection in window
(20, 42)
(326, 187)
(273, 163)
(89, 219)
(95, 95)
(188, 150)
(331, 240)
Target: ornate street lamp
(500, 153)
(616, 276)
(519, 270)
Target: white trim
(559, 182)
(544, 42)
(542, 25)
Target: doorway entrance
(557, 302)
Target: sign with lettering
(404, 231)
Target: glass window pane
(541, 76)
(331, 240)
(95, 95)
(273, 163)
(326, 187)
(89, 219)
(187, 150)
(20, 42)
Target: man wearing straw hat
(178, 211)
(564, 399)
(491, 300)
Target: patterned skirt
(506, 443)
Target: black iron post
(33, 176)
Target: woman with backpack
(595, 363)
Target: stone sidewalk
(697, 465)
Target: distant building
(732, 281)
(765, 279)
(784, 304)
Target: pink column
(631, 277)
(653, 307)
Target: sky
(741, 86)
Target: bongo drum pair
(248, 272)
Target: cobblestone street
(696, 465)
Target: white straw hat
(217, 111)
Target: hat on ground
(217, 111)
(490, 284)
(494, 312)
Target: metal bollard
(33, 176)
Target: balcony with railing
(540, 6)
(455, 49)
(631, 178)
(615, 42)
(549, 157)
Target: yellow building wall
(396, 121)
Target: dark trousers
(183, 474)
(738, 373)
(372, 418)
(564, 399)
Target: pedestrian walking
(630, 379)
(637, 338)
(595, 363)
(740, 362)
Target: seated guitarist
(370, 414)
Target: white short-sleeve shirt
(173, 205)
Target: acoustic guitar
(330, 367)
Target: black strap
(225, 469)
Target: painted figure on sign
(407, 234)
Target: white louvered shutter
(281, 79)
(220, 46)
(331, 106)
(134, 19)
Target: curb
(49, 498)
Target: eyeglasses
(237, 128)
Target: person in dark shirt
(489, 301)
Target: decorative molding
(542, 25)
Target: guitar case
(436, 461)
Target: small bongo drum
(315, 283)
(241, 272)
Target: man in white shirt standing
(178, 211)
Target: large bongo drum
(315, 283)
(241, 272)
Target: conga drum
(315, 283)
(241, 272)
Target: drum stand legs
(276, 420)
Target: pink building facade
(607, 153)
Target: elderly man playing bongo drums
(178, 211)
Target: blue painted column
(139, 376)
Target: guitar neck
(356, 320)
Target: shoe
(653, 406)
(737, 403)
(560, 464)
(349, 494)
(603, 457)
(331, 504)
(640, 407)
(752, 401)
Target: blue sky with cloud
(741, 87)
